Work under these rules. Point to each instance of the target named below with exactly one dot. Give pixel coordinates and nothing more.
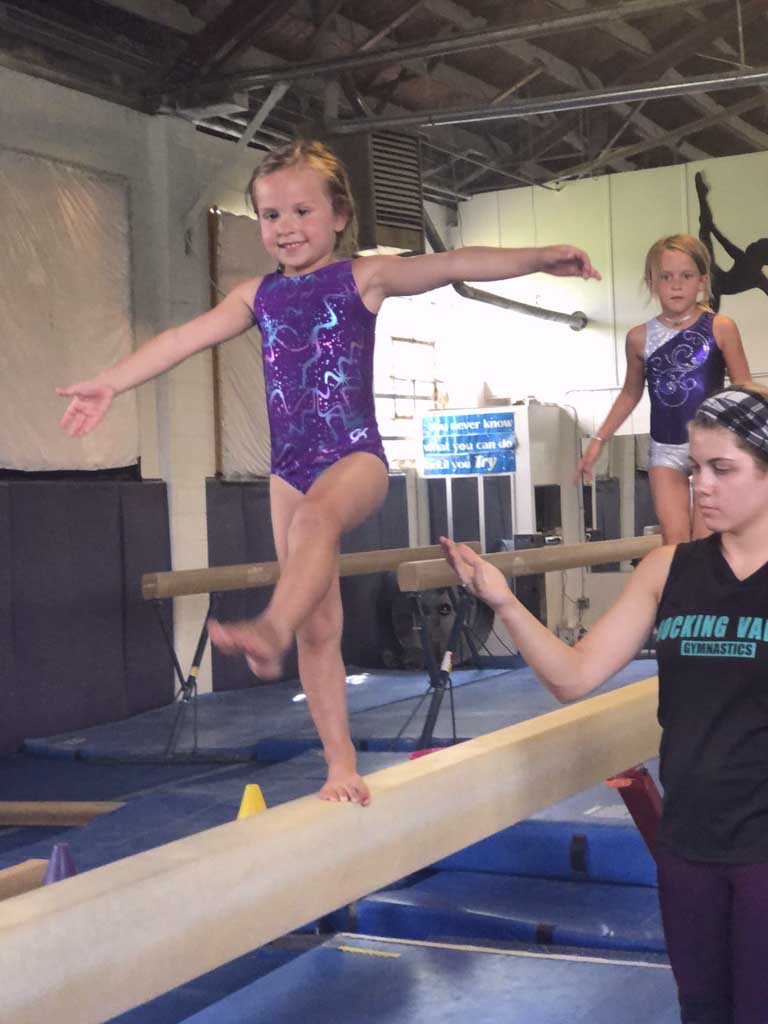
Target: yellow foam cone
(252, 803)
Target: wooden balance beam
(46, 813)
(184, 582)
(20, 878)
(93, 946)
(417, 576)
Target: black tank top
(713, 708)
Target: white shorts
(673, 456)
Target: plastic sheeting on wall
(64, 310)
(244, 425)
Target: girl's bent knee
(313, 519)
(319, 635)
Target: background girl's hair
(687, 244)
(321, 159)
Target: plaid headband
(743, 412)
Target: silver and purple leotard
(682, 369)
(317, 343)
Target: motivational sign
(476, 443)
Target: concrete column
(179, 408)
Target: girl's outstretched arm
(570, 672)
(381, 276)
(90, 399)
(626, 400)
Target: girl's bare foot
(346, 789)
(262, 643)
(343, 784)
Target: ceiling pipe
(566, 22)
(576, 321)
(605, 97)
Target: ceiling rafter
(226, 36)
(478, 39)
(456, 138)
(710, 32)
(580, 170)
(563, 72)
(411, 62)
(473, 87)
(657, 64)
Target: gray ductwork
(576, 321)
(561, 22)
(587, 100)
(385, 173)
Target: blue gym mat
(176, 1006)
(490, 704)
(182, 807)
(590, 836)
(271, 722)
(470, 906)
(350, 979)
(32, 778)
(267, 722)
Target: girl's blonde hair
(687, 244)
(319, 158)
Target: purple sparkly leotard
(317, 342)
(682, 369)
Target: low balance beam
(20, 878)
(93, 946)
(414, 577)
(47, 813)
(185, 582)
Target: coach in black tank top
(709, 601)
(713, 707)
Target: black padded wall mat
(645, 514)
(83, 648)
(146, 548)
(466, 512)
(498, 510)
(438, 509)
(367, 599)
(10, 701)
(240, 530)
(608, 502)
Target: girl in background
(683, 353)
(317, 316)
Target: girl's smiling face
(298, 222)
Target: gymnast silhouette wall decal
(749, 265)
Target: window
(405, 386)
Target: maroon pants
(716, 926)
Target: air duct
(577, 321)
(385, 173)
